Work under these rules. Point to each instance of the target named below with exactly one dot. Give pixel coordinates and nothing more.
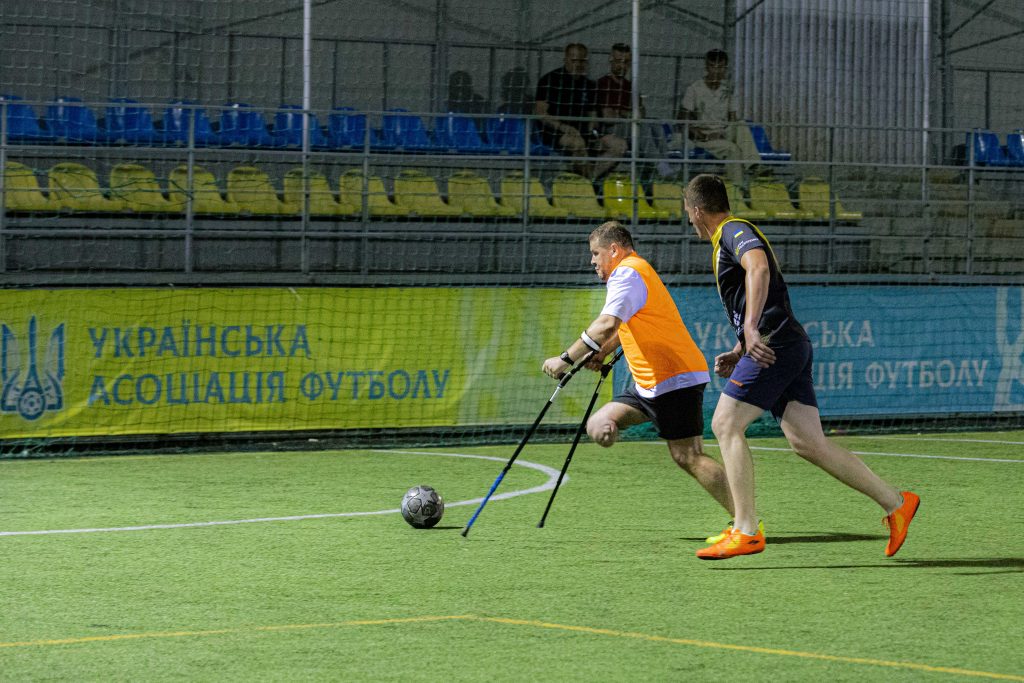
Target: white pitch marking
(932, 438)
(546, 486)
(889, 455)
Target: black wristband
(566, 358)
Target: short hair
(620, 47)
(576, 46)
(717, 55)
(612, 231)
(707, 192)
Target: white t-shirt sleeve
(627, 294)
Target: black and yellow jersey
(733, 238)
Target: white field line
(879, 453)
(947, 440)
(546, 486)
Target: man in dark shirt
(566, 102)
(769, 369)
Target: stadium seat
(243, 126)
(251, 190)
(619, 194)
(68, 120)
(471, 194)
(507, 134)
(738, 204)
(575, 194)
(74, 186)
(458, 133)
(177, 119)
(137, 188)
(288, 128)
(667, 197)
(773, 198)
(814, 195)
(321, 199)
(347, 129)
(987, 150)
(206, 195)
(405, 132)
(1015, 147)
(22, 191)
(512, 197)
(764, 145)
(418, 192)
(127, 122)
(22, 122)
(350, 191)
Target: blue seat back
(1015, 147)
(176, 125)
(127, 121)
(507, 133)
(70, 120)
(244, 126)
(458, 133)
(288, 128)
(764, 145)
(987, 149)
(405, 131)
(22, 122)
(346, 128)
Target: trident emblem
(31, 393)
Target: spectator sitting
(712, 103)
(615, 101)
(462, 99)
(564, 97)
(515, 93)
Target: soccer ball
(422, 507)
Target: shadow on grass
(999, 565)
(831, 537)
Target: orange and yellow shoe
(711, 540)
(736, 543)
(899, 521)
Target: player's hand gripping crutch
(605, 369)
(526, 437)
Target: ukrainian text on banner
(894, 350)
(152, 361)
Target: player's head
(705, 200)
(576, 59)
(620, 60)
(716, 65)
(609, 243)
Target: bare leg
(730, 424)
(604, 425)
(689, 454)
(802, 426)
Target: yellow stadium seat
(738, 204)
(321, 198)
(575, 194)
(668, 197)
(540, 207)
(472, 195)
(206, 196)
(418, 192)
(773, 198)
(22, 191)
(74, 186)
(250, 188)
(618, 200)
(350, 191)
(814, 194)
(136, 186)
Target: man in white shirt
(711, 103)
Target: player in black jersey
(769, 369)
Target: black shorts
(772, 388)
(677, 414)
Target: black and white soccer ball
(422, 507)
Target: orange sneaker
(899, 521)
(736, 543)
(711, 540)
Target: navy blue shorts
(677, 414)
(772, 388)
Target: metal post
(634, 124)
(307, 16)
(3, 188)
(528, 133)
(190, 188)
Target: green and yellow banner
(165, 361)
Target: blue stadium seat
(406, 132)
(698, 153)
(22, 122)
(288, 128)
(764, 145)
(243, 126)
(176, 125)
(987, 150)
(458, 133)
(68, 120)
(130, 123)
(508, 134)
(1015, 147)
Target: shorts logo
(31, 392)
